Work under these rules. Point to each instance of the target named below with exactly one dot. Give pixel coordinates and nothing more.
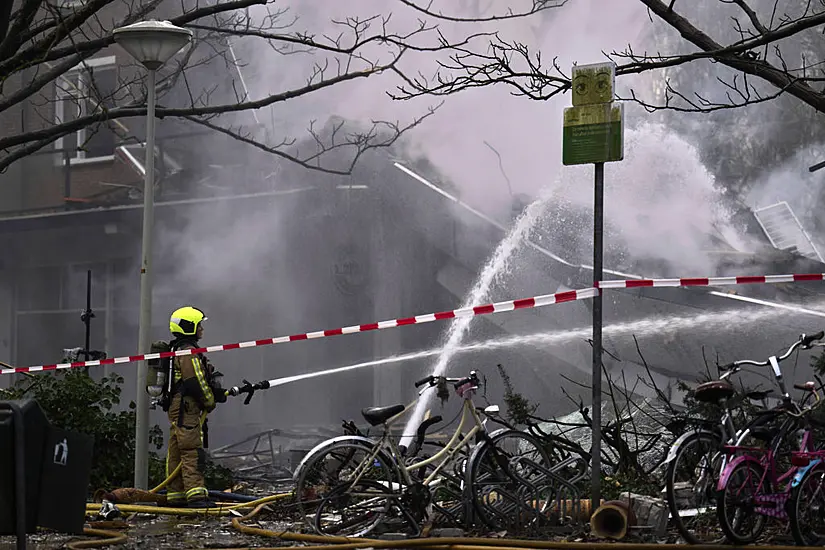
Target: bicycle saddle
(714, 391)
(765, 433)
(379, 415)
(758, 395)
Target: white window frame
(79, 157)
(67, 4)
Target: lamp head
(152, 43)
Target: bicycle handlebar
(808, 386)
(804, 341)
(427, 380)
(807, 341)
(433, 380)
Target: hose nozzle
(248, 388)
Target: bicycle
(761, 501)
(707, 440)
(808, 480)
(390, 488)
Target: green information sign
(593, 133)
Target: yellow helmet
(185, 320)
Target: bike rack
(567, 503)
(561, 513)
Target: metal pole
(107, 330)
(87, 315)
(596, 414)
(67, 175)
(144, 330)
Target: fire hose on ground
(448, 543)
(465, 543)
(109, 538)
(221, 509)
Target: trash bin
(55, 470)
(64, 480)
(35, 427)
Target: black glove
(220, 395)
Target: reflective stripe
(209, 399)
(176, 496)
(200, 375)
(196, 492)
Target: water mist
(458, 328)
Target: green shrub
(75, 401)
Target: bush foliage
(75, 401)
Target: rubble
(645, 421)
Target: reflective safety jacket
(190, 377)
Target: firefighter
(193, 394)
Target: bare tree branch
(751, 15)
(50, 134)
(50, 49)
(509, 63)
(739, 56)
(538, 6)
(755, 57)
(360, 142)
(24, 16)
(5, 19)
(43, 51)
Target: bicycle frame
(726, 428)
(767, 461)
(469, 414)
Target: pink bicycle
(756, 485)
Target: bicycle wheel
(508, 482)
(736, 503)
(329, 500)
(692, 501)
(690, 485)
(806, 508)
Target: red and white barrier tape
(524, 303)
(714, 281)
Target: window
(38, 288)
(81, 92)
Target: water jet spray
(656, 326)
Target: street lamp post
(152, 44)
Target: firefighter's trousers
(185, 448)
